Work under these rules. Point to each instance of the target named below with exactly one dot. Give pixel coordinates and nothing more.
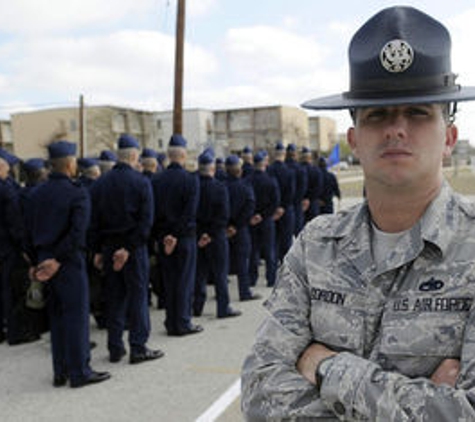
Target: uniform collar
(437, 227)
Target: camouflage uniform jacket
(393, 325)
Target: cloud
(270, 50)
(51, 16)
(126, 66)
(199, 8)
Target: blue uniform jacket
(266, 192)
(242, 201)
(286, 179)
(176, 193)
(315, 182)
(213, 208)
(122, 212)
(11, 223)
(301, 181)
(57, 214)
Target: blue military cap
(232, 160)
(127, 141)
(149, 153)
(219, 160)
(291, 148)
(279, 146)
(247, 150)
(61, 149)
(34, 164)
(177, 141)
(8, 157)
(209, 151)
(107, 156)
(205, 158)
(161, 157)
(305, 150)
(87, 162)
(259, 157)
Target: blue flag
(334, 157)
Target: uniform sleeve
(141, 233)
(272, 388)
(74, 238)
(358, 389)
(248, 207)
(186, 224)
(220, 211)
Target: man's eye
(417, 112)
(376, 115)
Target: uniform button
(339, 408)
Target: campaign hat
(61, 149)
(399, 56)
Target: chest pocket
(341, 328)
(415, 344)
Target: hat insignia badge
(396, 56)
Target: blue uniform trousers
(68, 306)
(313, 210)
(284, 232)
(299, 218)
(127, 299)
(17, 319)
(178, 272)
(263, 244)
(239, 256)
(213, 264)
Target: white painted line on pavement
(220, 405)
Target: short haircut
(126, 154)
(62, 163)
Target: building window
(160, 143)
(118, 123)
(159, 124)
(73, 125)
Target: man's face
(402, 145)
(4, 169)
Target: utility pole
(81, 126)
(179, 50)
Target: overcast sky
(238, 53)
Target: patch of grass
(462, 181)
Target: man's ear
(350, 137)
(451, 137)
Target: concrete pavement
(180, 387)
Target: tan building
(323, 133)
(33, 131)
(6, 136)
(260, 127)
(198, 129)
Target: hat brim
(341, 101)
